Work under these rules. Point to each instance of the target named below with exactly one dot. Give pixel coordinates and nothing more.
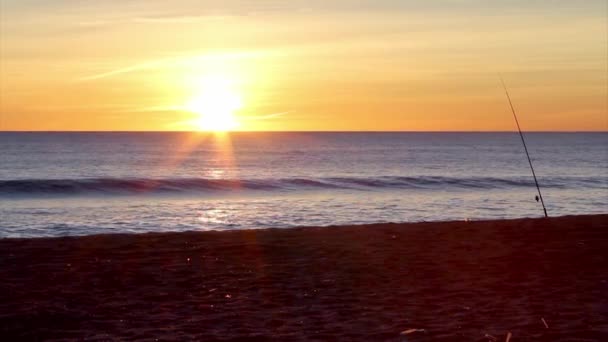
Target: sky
(316, 65)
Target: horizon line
(297, 131)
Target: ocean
(58, 184)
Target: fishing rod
(523, 141)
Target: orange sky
(303, 65)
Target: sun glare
(215, 104)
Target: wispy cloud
(151, 109)
(267, 116)
(189, 124)
(185, 58)
(183, 19)
(131, 68)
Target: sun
(215, 104)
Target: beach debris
(508, 338)
(212, 290)
(411, 331)
(490, 337)
(544, 322)
(228, 296)
(405, 335)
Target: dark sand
(457, 280)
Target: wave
(189, 185)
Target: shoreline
(538, 278)
(380, 225)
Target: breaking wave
(133, 186)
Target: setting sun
(215, 104)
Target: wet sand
(456, 280)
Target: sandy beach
(539, 279)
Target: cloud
(178, 19)
(132, 68)
(185, 58)
(151, 109)
(265, 117)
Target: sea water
(56, 184)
